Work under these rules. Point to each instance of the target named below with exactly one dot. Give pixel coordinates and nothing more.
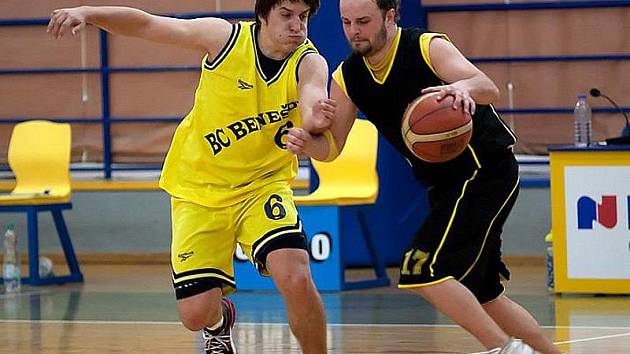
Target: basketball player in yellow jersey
(228, 168)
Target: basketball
(433, 130)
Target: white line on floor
(594, 338)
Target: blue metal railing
(555, 58)
(557, 110)
(142, 69)
(143, 167)
(104, 70)
(236, 15)
(543, 5)
(106, 107)
(115, 120)
(99, 120)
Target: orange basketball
(433, 130)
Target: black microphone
(625, 134)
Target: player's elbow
(488, 93)
(493, 92)
(315, 125)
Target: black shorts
(461, 237)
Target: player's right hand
(298, 140)
(63, 21)
(462, 96)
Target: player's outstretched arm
(465, 81)
(315, 108)
(208, 34)
(326, 146)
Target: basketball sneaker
(219, 341)
(514, 346)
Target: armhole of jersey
(338, 77)
(211, 65)
(425, 41)
(299, 61)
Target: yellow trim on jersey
(411, 286)
(474, 155)
(380, 71)
(273, 79)
(206, 275)
(425, 40)
(299, 61)
(338, 77)
(450, 221)
(275, 234)
(498, 296)
(488, 231)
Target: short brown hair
(263, 7)
(386, 5)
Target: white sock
(216, 325)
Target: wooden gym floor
(131, 309)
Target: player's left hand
(323, 114)
(71, 20)
(462, 96)
(298, 140)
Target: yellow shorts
(204, 238)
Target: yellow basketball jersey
(233, 141)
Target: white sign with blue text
(598, 221)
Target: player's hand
(63, 21)
(298, 140)
(462, 96)
(323, 114)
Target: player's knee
(296, 281)
(195, 319)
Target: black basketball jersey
(384, 105)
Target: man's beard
(379, 42)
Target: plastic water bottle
(549, 261)
(582, 115)
(11, 261)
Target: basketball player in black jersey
(454, 261)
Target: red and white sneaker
(220, 340)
